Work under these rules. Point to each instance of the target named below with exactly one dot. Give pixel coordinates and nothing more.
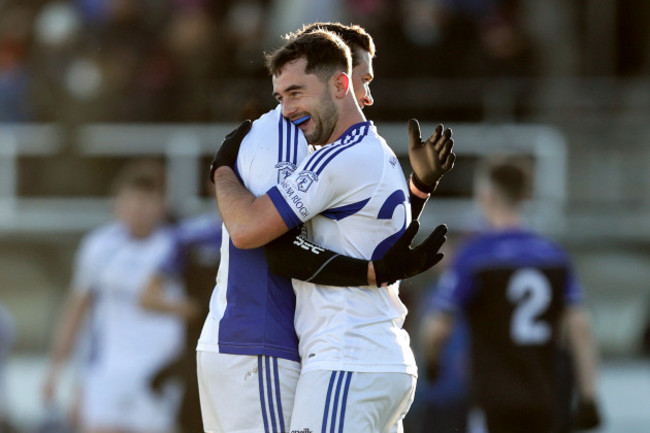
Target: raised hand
(432, 158)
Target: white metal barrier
(185, 146)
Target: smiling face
(302, 94)
(362, 76)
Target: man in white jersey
(352, 191)
(234, 402)
(128, 344)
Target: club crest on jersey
(284, 170)
(305, 180)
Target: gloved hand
(432, 158)
(227, 153)
(587, 415)
(401, 261)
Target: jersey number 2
(530, 290)
(386, 212)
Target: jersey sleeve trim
(287, 214)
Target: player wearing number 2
(517, 290)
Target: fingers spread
(415, 137)
(410, 232)
(435, 136)
(446, 149)
(449, 163)
(435, 240)
(434, 259)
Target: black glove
(587, 415)
(430, 158)
(227, 153)
(401, 261)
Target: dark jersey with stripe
(513, 287)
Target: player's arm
(435, 331)
(153, 298)
(71, 319)
(251, 221)
(293, 256)
(583, 351)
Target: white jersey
(355, 197)
(116, 267)
(252, 310)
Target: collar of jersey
(352, 130)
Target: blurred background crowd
(200, 60)
(146, 69)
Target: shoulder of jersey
(109, 230)
(263, 127)
(349, 140)
(268, 119)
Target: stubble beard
(324, 121)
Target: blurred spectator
(15, 33)
(129, 344)
(193, 60)
(193, 44)
(483, 37)
(519, 294)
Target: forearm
(66, 334)
(153, 299)
(295, 257)
(435, 331)
(251, 221)
(583, 350)
(418, 200)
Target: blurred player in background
(195, 261)
(128, 343)
(520, 296)
(442, 399)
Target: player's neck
(349, 115)
(505, 219)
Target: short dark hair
(146, 175)
(325, 52)
(354, 36)
(509, 178)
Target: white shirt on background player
(115, 267)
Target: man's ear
(342, 84)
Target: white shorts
(236, 398)
(352, 402)
(117, 402)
